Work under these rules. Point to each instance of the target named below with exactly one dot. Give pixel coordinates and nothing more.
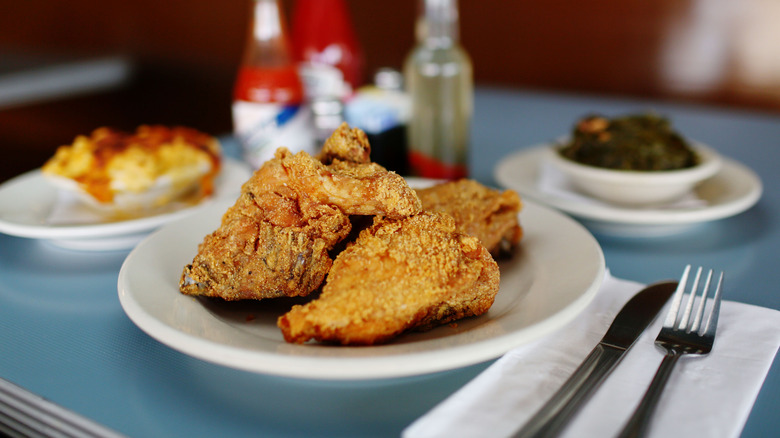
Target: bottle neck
(267, 20)
(437, 23)
(269, 44)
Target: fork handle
(640, 420)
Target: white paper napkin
(706, 395)
(68, 209)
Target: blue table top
(64, 336)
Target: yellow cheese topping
(110, 161)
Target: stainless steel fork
(680, 335)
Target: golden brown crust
(399, 274)
(488, 214)
(356, 188)
(275, 240)
(408, 270)
(271, 243)
(346, 144)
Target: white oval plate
(552, 277)
(732, 190)
(30, 206)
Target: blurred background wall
(173, 61)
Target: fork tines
(678, 317)
(679, 336)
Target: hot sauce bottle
(268, 106)
(325, 46)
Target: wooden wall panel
(186, 53)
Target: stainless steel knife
(629, 323)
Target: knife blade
(627, 326)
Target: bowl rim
(710, 163)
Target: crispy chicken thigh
(275, 240)
(480, 211)
(418, 271)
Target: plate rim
(532, 155)
(333, 368)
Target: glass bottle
(439, 80)
(268, 106)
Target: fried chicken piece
(414, 272)
(356, 188)
(480, 211)
(274, 241)
(346, 144)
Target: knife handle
(559, 410)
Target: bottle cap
(390, 79)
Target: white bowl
(637, 188)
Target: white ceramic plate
(732, 190)
(554, 274)
(30, 206)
